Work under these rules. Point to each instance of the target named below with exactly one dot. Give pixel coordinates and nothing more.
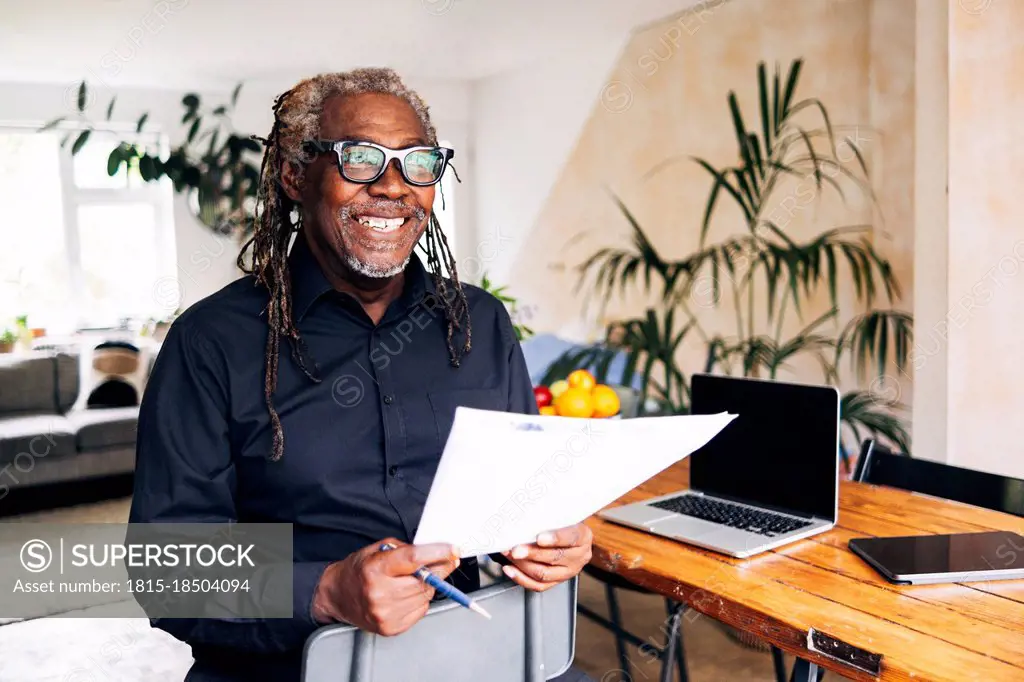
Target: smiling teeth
(381, 224)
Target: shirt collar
(309, 282)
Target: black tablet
(964, 557)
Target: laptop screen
(781, 452)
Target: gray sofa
(44, 438)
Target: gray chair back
(530, 638)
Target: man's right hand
(376, 591)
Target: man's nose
(391, 184)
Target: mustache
(384, 209)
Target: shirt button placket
(388, 413)
(394, 429)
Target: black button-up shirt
(360, 446)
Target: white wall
(205, 261)
(525, 124)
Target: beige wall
(985, 322)
(931, 247)
(666, 97)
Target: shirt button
(388, 400)
(392, 470)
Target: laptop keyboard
(732, 515)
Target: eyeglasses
(365, 162)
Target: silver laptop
(769, 478)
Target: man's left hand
(556, 556)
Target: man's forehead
(385, 119)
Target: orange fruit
(606, 401)
(548, 410)
(581, 378)
(575, 402)
(557, 388)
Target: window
(81, 248)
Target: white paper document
(505, 478)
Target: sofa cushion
(101, 428)
(27, 383)
(68, 379)
(25, 438)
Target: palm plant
(761, 262)
(511, 304)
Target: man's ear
(291, 181)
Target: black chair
(880, 466)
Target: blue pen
(443, 588)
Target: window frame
(158, 194)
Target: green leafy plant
(212, 166)
(761, 263)
(8, 337)
(511, 304)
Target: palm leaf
(722, 180)
(762, 97)
(788, 94)
(749, 168)
(777, 119)
(814, 102)
(867, 338)
(862, 409)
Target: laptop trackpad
(679, 526)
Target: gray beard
(374, 271)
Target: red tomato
(543, 395)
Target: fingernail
(509, 571)
(519, 552)
(545, 539)
(457, 562)
(457, 551)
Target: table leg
(780, 664)
(805, 671)
(616, 618)
(681, 646)
(668, 661)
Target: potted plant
(8, 340)
(511, 304)
(212, 167)
(764, 272)
(761, 267)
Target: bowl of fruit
(578, 395)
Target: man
(342, 434)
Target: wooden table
(954, 632)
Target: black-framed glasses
(364, 162)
